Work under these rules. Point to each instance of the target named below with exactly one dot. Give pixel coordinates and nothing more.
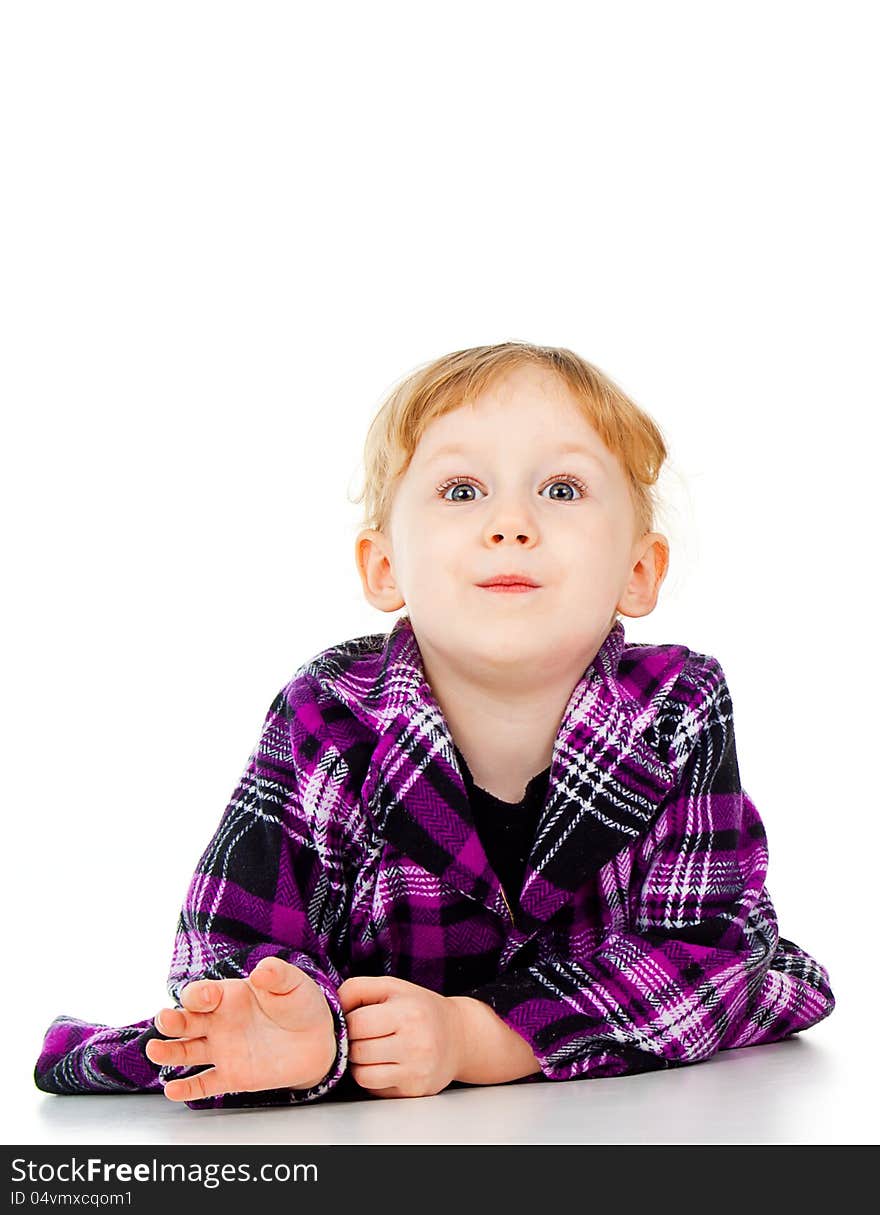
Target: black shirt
(507, 829)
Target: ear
(373, 556)
(650, 566)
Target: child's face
(509, 511)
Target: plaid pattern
(644, 937)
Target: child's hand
(404, 1040)
(273, 1029)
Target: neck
(505, 740)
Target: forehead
(546, 447)
(533, 415)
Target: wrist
(312, 1083)
(461, 1035)
(329, 1054)
(489, 1051)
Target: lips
(510, 580)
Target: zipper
(506, 904)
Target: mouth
(509, 588)
(509, 584)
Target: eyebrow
(571, 449)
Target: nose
(510, 524)
(499, 538)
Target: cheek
(437, 536)
(429, 556)
(595, 559)
(591, 535)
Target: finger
(366, 989)
(277, 977)
(375, 1050)
(177, 1023)
(371, 1021)
(190, 1052)
(194, 1088)
(204, 995)
(376, 1076)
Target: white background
(229, 229)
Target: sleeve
(270, 883)
(704, 968)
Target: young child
(498, 842)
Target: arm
(270, 883)
(266, 885)
(703, 969)
(491, 1052)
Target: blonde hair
(444, 384)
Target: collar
(608, 772)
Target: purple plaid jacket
(644, 936)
